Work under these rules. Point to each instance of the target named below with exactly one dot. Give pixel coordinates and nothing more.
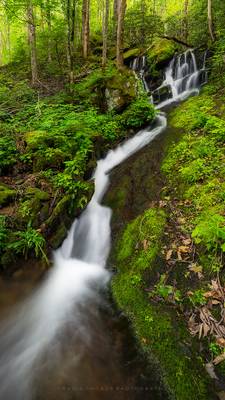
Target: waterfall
(79, 271)
(183, 78)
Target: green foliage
(166, 292)
(8, 153)
(3, 233)
(197, 163)
(139, 112)
(29, 240)
(197, 298)
(210, 230)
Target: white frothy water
(183, 78)
(78, 274)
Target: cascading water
(79, 265)
(183, 78)
(78, 273)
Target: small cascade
(182, 78)
(139, 65)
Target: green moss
(120, 90)
(58, 236)
(129, 54)
(34, 206)
(7, 195)
(161, 51)
(37, 194)
(59, 211)
(162, 334)
(194, 168)
(140, 239)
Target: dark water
(107, 365)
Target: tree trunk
(32, 42)
(49, 23)
(85, 27)
(210, 21)
(105, 32)
(115, 17)
(120, 30)
(185, 35)
(69, 35)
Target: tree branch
(177, 41)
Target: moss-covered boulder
(34, 206)
(121, 90)
(7, 195)
(131, 54)
(161, 52)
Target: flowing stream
(68, 300)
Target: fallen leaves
(203, 323)
(169, 254)
(197, 269)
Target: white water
(182, 76)
(78, 275)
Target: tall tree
(70, 17)
(120, 30)
(85, 27)
(105, 32)
(210, 21)
(49, 24)
(32, 41)
(115, 15)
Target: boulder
(7, 195)
(121, 90)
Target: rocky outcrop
(120, 90)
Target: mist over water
(75, 282)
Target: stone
(7, 195)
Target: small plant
(197, 298)
(136, 280)
(166, 292)
(29, 240)
(215, 349)
(210, 231)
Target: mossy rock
(161, 52)
(59, 235)
(121, 90)
(7, 195)
(37, 194)
(130, 54)
(34, 206)
(59, 213)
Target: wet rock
(162, 94)
(7, 195)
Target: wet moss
(7, 195)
